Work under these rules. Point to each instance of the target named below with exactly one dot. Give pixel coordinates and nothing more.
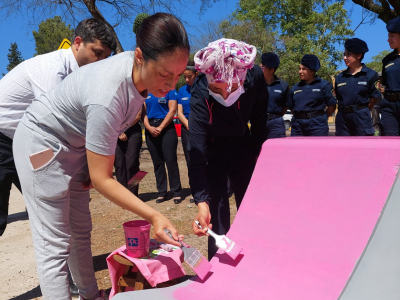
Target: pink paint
(307, 215)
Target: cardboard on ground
(65, 44)
(319, 221)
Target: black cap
(393, 25)
(356, 45)
(311, 61)
(270, 60)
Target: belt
(308, 115)
(271, 116)
(392, 97)
(155, 120)
(352, 108)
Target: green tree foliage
(14, 57)
(376, 63)
(50, 34)
(294, 28)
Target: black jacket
(209, 120)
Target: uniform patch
(378, 85)
(297, 91)
(341, 84)
(387, 66)
(362, 82)
(162, 100)
(278, 91)
(316, 90)
(333, 92)
(185, 98)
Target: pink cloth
(159, 266)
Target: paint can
(137, 238)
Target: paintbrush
(200, 265)
(224, 243)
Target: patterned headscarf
(225, 60)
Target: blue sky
(16, 29)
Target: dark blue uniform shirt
(209, 119)
(158, 107)
(184, 99)
(357, 88)
(315, 96)
(391, 72)
(278, 96)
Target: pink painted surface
(307, 215)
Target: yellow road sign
(65, 44)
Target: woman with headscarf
(229, 93)
(311, 100)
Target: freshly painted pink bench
(320, 221)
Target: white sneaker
(103, 296)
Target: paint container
(137, 238)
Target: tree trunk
(384, 12)
(94, 11)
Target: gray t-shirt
(91, 107)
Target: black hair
(91, 29)
(161, 33)
(190, 67)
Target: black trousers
(233, 161)
(8, 176)
(185, 143)
(163, 152)
(127, 154)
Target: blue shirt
(358, 88)
(278, 96)
(184, 99)
(311, 97)
(391, 72)
(158, 107)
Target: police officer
(230, 92)
(162, 142)
(311, 100)
(357, 91)
(390, 106)
(278, 91)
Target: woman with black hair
(357, 91)
(75, 127)
(127, 154)
(390, 106)
(311, 100)
(184, 94)
(162, 143)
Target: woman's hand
(159, 223)
(123, 137)
(153, 131)
(204, 218)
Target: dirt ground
(17, 262)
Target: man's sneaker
(103, 296)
